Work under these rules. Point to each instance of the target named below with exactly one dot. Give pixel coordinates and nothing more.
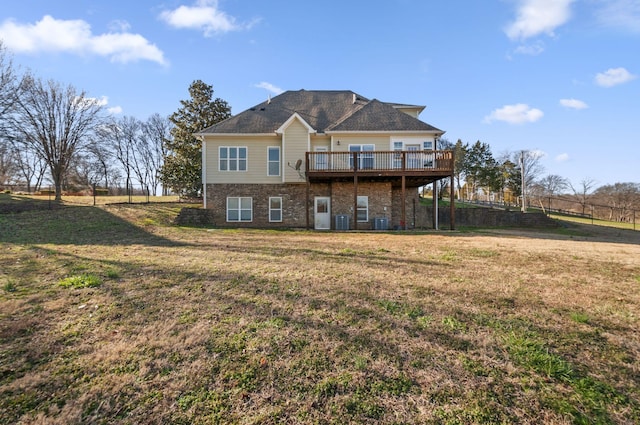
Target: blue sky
(560, 77)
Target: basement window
(239, 209)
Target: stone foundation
(384, 203)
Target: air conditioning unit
(342, 221)
(381, 223)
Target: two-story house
(322, 160)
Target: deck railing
(440, 162)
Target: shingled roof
(324, 111)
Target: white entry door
(322, 158)
(413, 156)
(322, 212)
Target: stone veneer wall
(412, 205)
(293, 203)
(381, 202)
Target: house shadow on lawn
(29, 221)
(570, 232)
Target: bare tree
(9, 84)
(8, 165)
(56, 122)
(552, 185)
(29, 165)
(120, 136)
(101, 157)
(621, 198)
(155, 133)
(582, 191)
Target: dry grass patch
(247, 326)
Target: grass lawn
(111, 314)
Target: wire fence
(581, 210)
(98, 196)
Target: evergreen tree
(182, 169)
(459, 167)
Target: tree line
(479, 175)
(54, 132)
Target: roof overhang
(437, 133)
(233, 134)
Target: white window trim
(239, 220)
(366, 209)
(362, 159)
(237, 159)
(269, 161)
(274, 209)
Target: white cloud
(205, 15)
(103, 101)
(620, 14)
(74, 36)
(573, 104)
(614, 76)
(535, 17)
(530, 49)
(519, 113)
(269, 87)
(115, 110)
(563, 157)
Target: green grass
(596, 222)
(114, 315)
(86, 280)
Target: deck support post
(403, 221)
(355, 201)
(307, 202)
(452, 201)
(434, 205)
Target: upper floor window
(273, 161)
(365, 157)
(427, 145)
(233, 158)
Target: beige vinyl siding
(296, 142)
(256, 160)
(381, 143)
(322, 141)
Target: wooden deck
(404, 169)
(418, 167)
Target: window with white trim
(397, 157)
(239, 209)
(275, 209)
(363, 209)
(427, 145)
(232, 158)
(365, 156)
(273, 161)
